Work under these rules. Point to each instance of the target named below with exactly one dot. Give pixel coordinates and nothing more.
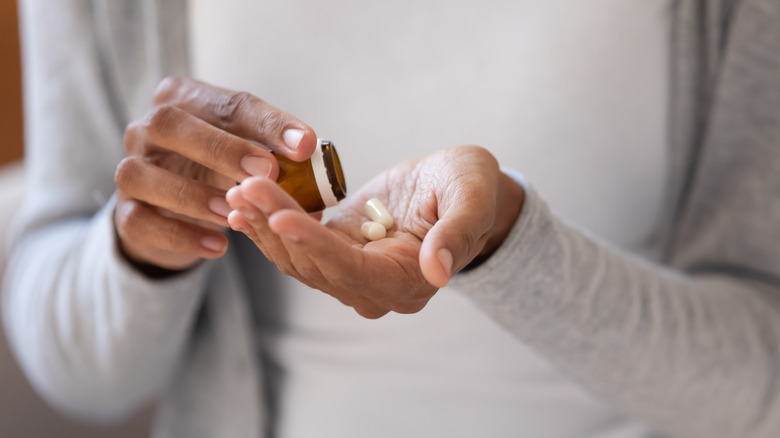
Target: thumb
(453, 241)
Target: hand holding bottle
(182, 157)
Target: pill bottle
(317, 183)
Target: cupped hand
(449, 208)
(195, 143)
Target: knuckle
(126, 172)
(217, 149)
(179, 196)
(271, 121)
(228, 108)
(168, 89)
(161, 119)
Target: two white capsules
(380, 222)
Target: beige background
(22, 413)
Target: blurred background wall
(22, 413)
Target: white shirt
(572, 94)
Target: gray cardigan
(690, 345)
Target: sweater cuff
(532, 230)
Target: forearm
(96, 338)
(694, 354)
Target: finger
(141, 225)
(454, 239)
(333, 255)
(238, 222)
(267, 196)
(240, 113)
(140, 179)
(319, 257)
(254, 224)
(248, 212)
(174, 129)
(332, 272)
(370, 271)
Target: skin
(182, 157)
(450, 208)
(176, 193)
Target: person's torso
(571, 94)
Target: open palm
(443, 205)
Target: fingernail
(213, 243)
(292, 137)
(256, 166)
(220, 206)
(445, 257)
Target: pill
(373, 230)
(377, 211)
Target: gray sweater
(690, 345)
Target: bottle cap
(328, 173)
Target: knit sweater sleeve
(695, 354)
(691, 344)
(96, 338)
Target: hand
(194, 144)
(449, 208)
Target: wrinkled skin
(448, 207)
(182, 157)
(176, 192)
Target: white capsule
(377, 211)
(373, 230)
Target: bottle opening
(335, 172)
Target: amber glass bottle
(316, 183)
